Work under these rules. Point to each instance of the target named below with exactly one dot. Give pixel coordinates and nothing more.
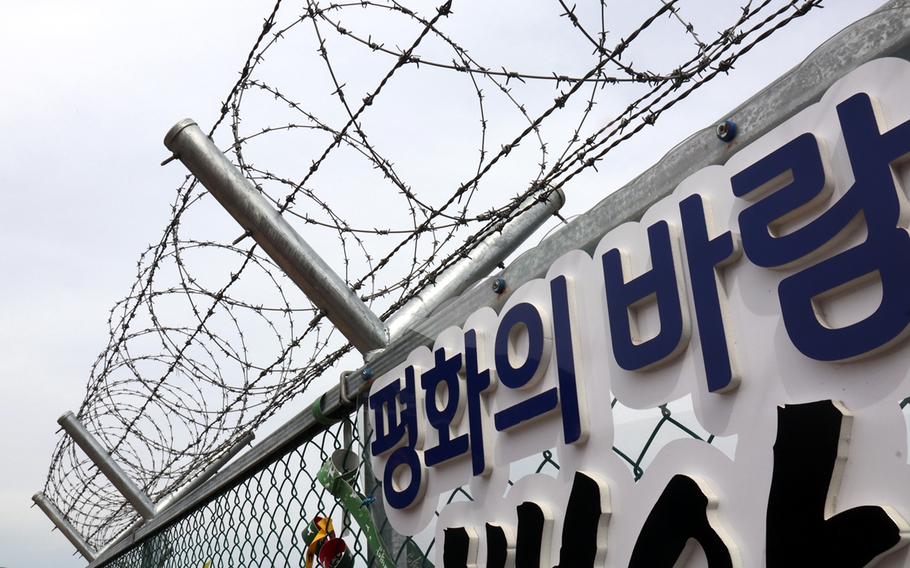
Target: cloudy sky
(88, 91)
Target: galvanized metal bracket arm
(198, 481)
(103, 461)
(60, 521)
(274, 234)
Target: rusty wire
(213, 339)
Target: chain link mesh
(260, 522)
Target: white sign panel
(775, 290)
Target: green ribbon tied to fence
(337, 474)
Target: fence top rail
(884, 33)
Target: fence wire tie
(343, 388)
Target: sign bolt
(366, 373)
(726, 130)
(499, 285)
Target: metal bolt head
(367, 373)
(499, 285)
(726, 130)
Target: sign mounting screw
(726, 130)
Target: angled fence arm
(103, 461)
(65, 527)
(274, 234)
(184, 491)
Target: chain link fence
(262, 520)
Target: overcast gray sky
(87, 92)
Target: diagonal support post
(103, 461)
(65, 527)
(274, 234)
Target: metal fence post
(68, 530)
(103, 461)
(283, 244)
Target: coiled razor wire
(212, 338)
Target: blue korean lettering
(394, 416)
(388, 430)
(660, 282)
(402, 498)
(565, 360)
(885, 253)
(797, 173)
(565, 394)
(445, 371)
(477, 382)
(526, 315)
(705, 256)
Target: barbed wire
(212, 338)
